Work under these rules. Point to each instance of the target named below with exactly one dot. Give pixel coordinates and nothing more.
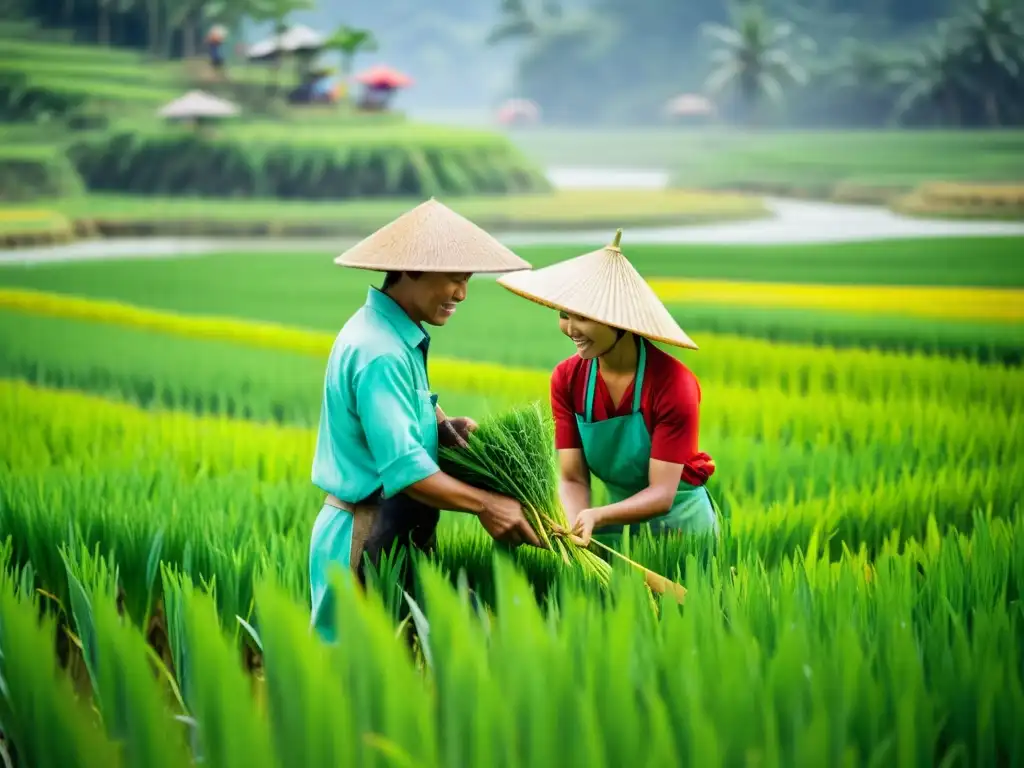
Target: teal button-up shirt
(378, 426)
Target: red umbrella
(383, 77)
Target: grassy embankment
(107, 164)
(957, 174)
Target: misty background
(785, 63)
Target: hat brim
(453, 270)
(686, 343)
(432, 238)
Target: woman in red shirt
(624, 410)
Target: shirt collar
(412, 334)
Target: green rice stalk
(511, 454)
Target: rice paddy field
(864, 407)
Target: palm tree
(753, 56)
(517, 22)
(184, 15)
(934, 75)
(349, 41)
(103, 21)
(860, 76)
(994, 44)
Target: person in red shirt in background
(624, 410)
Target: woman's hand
(583, 526)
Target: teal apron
(337, 540)
(618, 452)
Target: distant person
(625, 411)
(215, 46)
(377, 443)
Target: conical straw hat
(601, 286)
(431, 238)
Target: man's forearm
(443, 491)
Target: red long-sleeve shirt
(669, 402)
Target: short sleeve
(389, 409)
(567, 434)
(676, 420)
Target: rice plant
(512, 454)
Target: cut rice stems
(511, 454)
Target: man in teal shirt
(380, 426)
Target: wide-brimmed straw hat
(604, 287)
(431, 238)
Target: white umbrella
(297, 38)
(197, 104)
(689, 104)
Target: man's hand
(453, 433)
(503, 519)
(463, 425)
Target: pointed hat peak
(604, 286)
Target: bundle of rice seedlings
(511, 454)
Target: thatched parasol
(198, 107)
(297, 39)
(517, 111)
(689, 105)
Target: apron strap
(588, 407)
(638, 384)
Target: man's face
(436, 295)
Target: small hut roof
(198, 104)
(296, 38)
(689, 104)
(515, 108)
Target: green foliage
(885, 660)
(28, 173)
(326, 165)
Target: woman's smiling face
(592, 339)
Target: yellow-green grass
(915, 627)
(307, 289)
(866, 463)
(113, 215)
(964, 200)
(30, 227)
(734, 359)
(30, 172)
(946, 302)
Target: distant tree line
(857, 63)
(165, 28)
(854, 63)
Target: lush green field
(722, 156)
(306, 289)
(861, 608)
(870, 449)
(873, 540)
(964, 261)
(280, 160)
